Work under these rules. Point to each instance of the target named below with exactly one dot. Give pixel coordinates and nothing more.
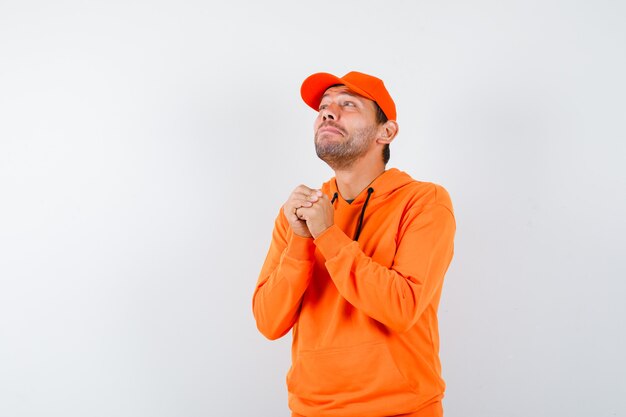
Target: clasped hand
(309, 211)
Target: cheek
(316, 124)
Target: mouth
(330, 129)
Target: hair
(381, 118)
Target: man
(355, 269)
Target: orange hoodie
(363, 313)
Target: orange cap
(370, 87)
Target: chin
(327, 138)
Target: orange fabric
(368, 86)
(363, 314)
(432, 410)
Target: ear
(387, 132)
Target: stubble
(341, 154)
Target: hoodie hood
(385, 184)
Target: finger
(300, 213)
(303, 189)
(324, 199)
(290, 208)
(303, 213)
(301, 197)
(309, 193)
(303, 200)
(297, 202)
(297, 210)
(313, 196)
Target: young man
(355, 269)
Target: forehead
(342, 90)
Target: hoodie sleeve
(284, 277)
(395, 296)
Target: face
(345, 127)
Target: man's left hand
(319, 217)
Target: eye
(348, 104)
(322, 107)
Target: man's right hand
(302, 196)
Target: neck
(353, 180)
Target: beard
(342, 154)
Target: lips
(328, 128)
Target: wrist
(319, 232)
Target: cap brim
(314, 87)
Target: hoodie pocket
(336, 377)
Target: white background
(146, 147)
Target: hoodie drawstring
(360, 223)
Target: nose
(328, 113)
